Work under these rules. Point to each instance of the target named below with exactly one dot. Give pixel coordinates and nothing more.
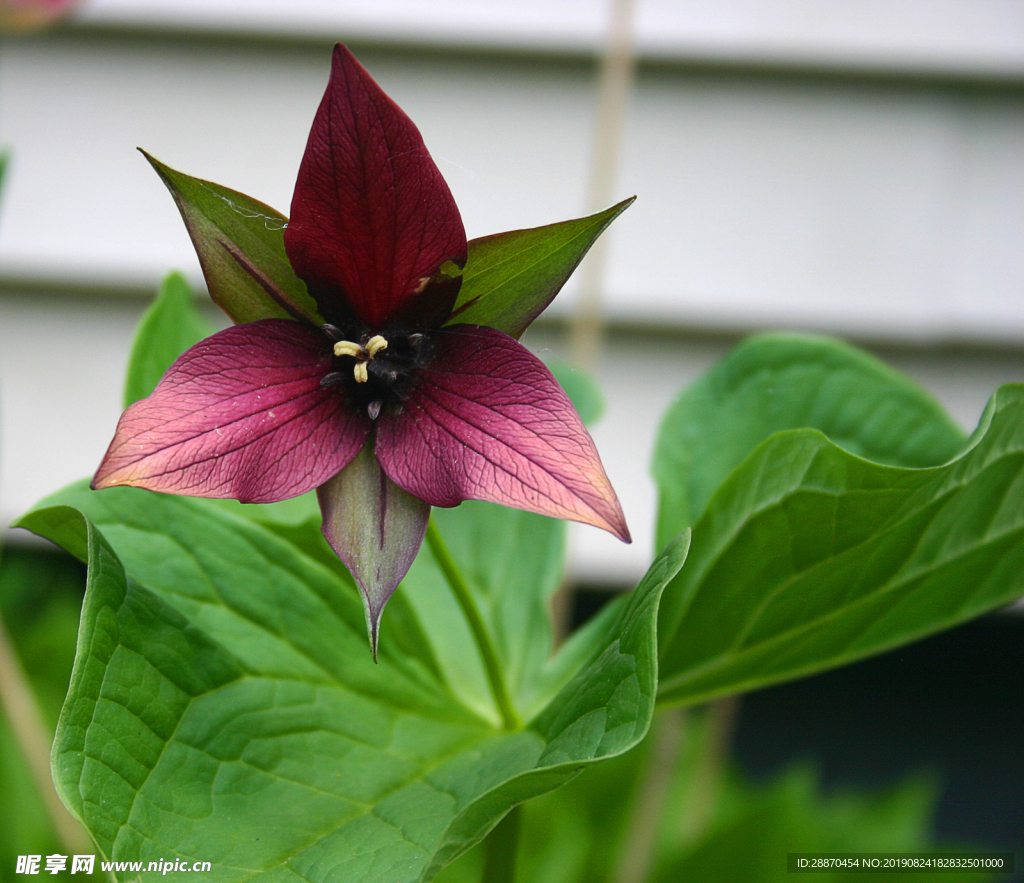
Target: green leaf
(170, 326)
(808, 557)
(224, 706)
(511, 277)
(240, 243)
(512, 582)
(776, 382)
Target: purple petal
(240, 415)
(372, 218)
(487, 421)
(375, 527)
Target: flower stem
(488, 653)
(500, 849)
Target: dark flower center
(375, 370)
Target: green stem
(644, 819)
(500, 849)
(488, 653)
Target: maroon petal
(487, 421)
(240, 415)
(372, 218)
(375, 527)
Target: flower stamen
(362, 354)
(347, 348)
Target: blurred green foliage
(705, 823)
(40, 599)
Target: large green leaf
(512, 583)
(513, 562)
(512, 579)
(511, 277)
(171, 325)
(808, 557)
(240, 243)
(224, 706)
(775, 382)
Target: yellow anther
(347, 348)
(375, 344)
(362, 354)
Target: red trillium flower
(376, 397)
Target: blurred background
(851, 167)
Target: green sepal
(511, 277)
(240, 244)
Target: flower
(373, 396)
(21, 16)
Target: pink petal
(375, 527)
(372, 218)
(240, 415)
(487, 421)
